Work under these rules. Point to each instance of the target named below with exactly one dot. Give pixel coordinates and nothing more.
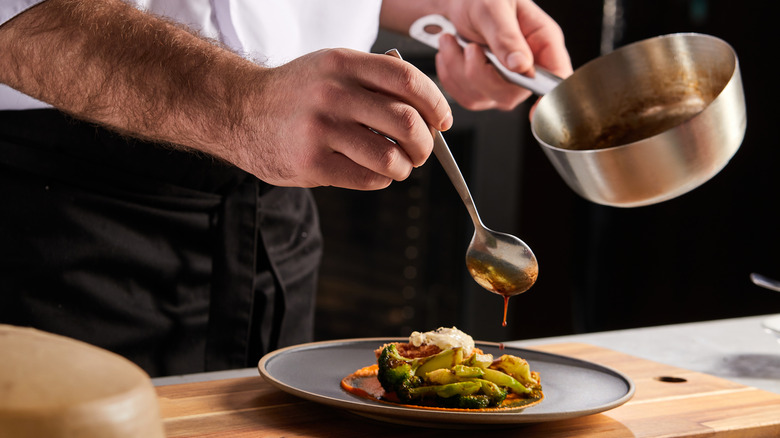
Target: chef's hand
(321, 107)
(518, 32)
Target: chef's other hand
(518, 32)
(322, 105)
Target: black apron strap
(232, 294)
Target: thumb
(505, 39)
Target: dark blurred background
(394, 259)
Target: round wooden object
(53, 386)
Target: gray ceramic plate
(572, 387)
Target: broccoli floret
(397, 373)
(471, 402)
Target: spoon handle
(444, 155)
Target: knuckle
(325, 92)
(407, 118)
(550, 36)
(407, 79)
(557, 32)
(334, 59)
(388, 160)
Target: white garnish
(444, 338)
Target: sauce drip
(502, 279)
(506, 305)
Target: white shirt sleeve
(274, 32)
(11, 8)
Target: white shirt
(271, 32)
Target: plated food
(442, 369)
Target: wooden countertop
(669, 402)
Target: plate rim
(388, 411)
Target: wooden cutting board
(669, 402)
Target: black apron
(177, 261)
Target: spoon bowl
(501, 263)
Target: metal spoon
(499, 262)
(765, 282)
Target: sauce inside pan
(646, 120)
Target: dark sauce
(502, 279)
(644, 121)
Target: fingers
(402, 123)
(401, 80)
(336, 169)
(521, 34)
(471, 80)
(360, 158)
(374, 152)
(351, 93)
(404, 105)
(497, 25)
(411, 144)
(545, 39)
(518, 32)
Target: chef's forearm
(107, 62)
(398, 15)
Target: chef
(155, 156)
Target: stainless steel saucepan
(643, 124)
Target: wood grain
(700, 406)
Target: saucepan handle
(428, 29)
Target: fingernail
(447, 123)
(446, 40)
(516, 61)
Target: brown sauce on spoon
(502, 279)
